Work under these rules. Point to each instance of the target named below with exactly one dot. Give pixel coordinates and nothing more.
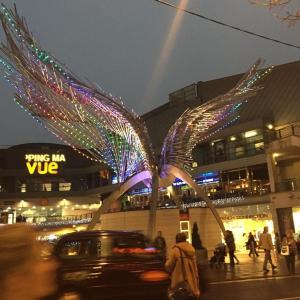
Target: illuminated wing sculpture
(92, 122)
(199, 123)
(99, 126)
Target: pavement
(248, 268)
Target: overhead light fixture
(232, 138)
(251, 133)
(270, 126)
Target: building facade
(250, 170)
(50, 184)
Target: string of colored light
(200, 123)
(93, 122)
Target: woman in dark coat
(252, 245)
(229, 239)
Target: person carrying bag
(182, 266)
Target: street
(274, 288)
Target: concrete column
(272, 172)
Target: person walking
(265, 242)
(182, 267)
(288, 250)
(229, 239)
(252, 245)
(160, 243)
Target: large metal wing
(83, 116)
(199, 123)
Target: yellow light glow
(233, 138)
(241, 226)
(270, 126)
(251, 133)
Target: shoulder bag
(182, 291)
(285, 250)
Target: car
(109, 265)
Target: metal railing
(285, 132)
(239, 150)
(290, 185)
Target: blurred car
(109, 265)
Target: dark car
(109, 265)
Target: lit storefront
(296, 218)
(48, 184)
(244, 219)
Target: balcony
(285, 140)
(233, 151)
(290, 185)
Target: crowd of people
(21, 262)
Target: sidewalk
(248, 268)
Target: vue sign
(43, 163)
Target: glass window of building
(64, 186)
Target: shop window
(23, 188)
(260, 172)
(219, 148)
(239, 151)
(65, 186)
(234, 176)
(219, 151)
(47, 187)
(259, 147)
(77, 249)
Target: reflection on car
(110, 265)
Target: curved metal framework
(100, 127)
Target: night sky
(117, 44)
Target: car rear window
(83, 248)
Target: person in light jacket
(174, 265)
(265, 242)
(289, 241)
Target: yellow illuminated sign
(43, 163)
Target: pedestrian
(252, 245)
(182, 266)
(265, 242)
(160, 243)
(229, 239)
(24, 274)
(288, 250)
(277, 243)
